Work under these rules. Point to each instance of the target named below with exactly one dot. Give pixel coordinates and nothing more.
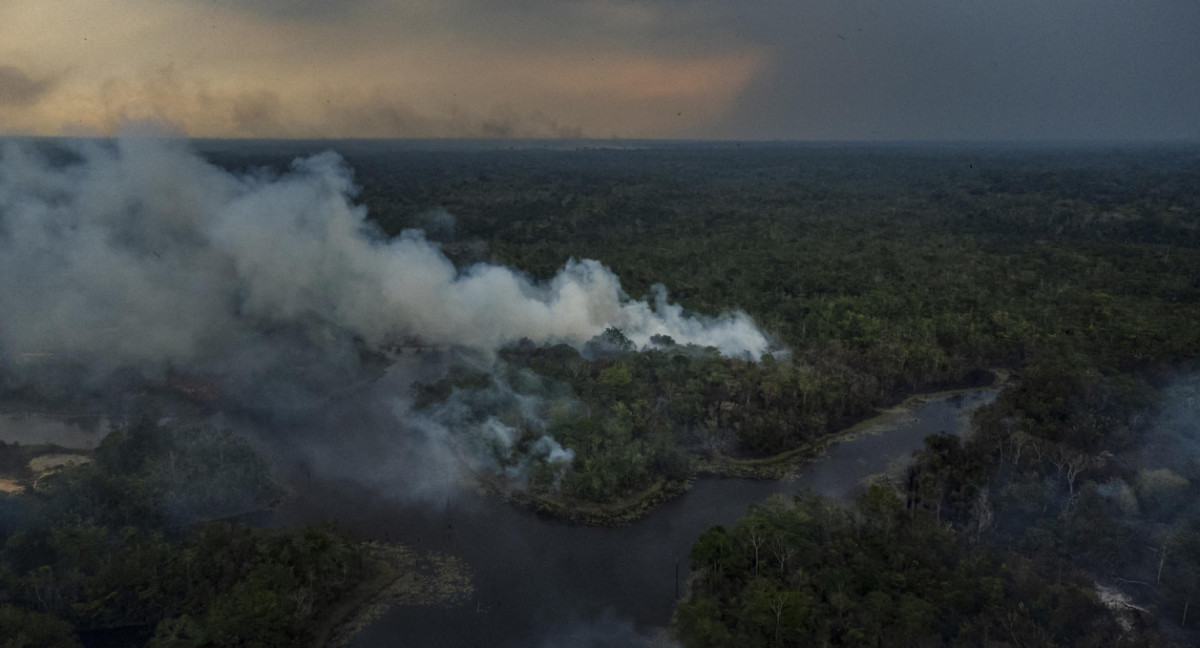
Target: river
(542, 582)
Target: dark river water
(542, 582)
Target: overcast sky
(745, 69)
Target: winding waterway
(542, 582)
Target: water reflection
(543, 582)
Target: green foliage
(883, 271)
(259, 588)
(99, 549)
(146, 475)
(805, 572)
(1078, 467)
(906, 265)
(27, 629)
(633, 418)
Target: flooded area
(540, 581)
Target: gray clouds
(19, 89)
(663, 27)
(384, 117)
(865, 69)
(774, 69)
(973, 70)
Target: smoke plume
(138, 260)
(139, 254)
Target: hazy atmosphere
(857, 70)
(599, 323)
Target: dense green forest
(1072, 479)
(118, 547)
(882, 271)
(809, 573)
(886, 271)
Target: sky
(694, 69)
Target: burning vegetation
(308, 310)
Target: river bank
(779, 465)
(541, 580)
(634, 506)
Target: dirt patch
(43, 466)
(10, 486)
(51, 462)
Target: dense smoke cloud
(134, 264)
(139, 254)
(505, 428)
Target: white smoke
(139, 254)
(498, 429)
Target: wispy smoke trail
(138, 254)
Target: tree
(178, 632)
(26, 629)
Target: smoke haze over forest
(141, 254)
(599, 322)
(858, 70)
(137, 256)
